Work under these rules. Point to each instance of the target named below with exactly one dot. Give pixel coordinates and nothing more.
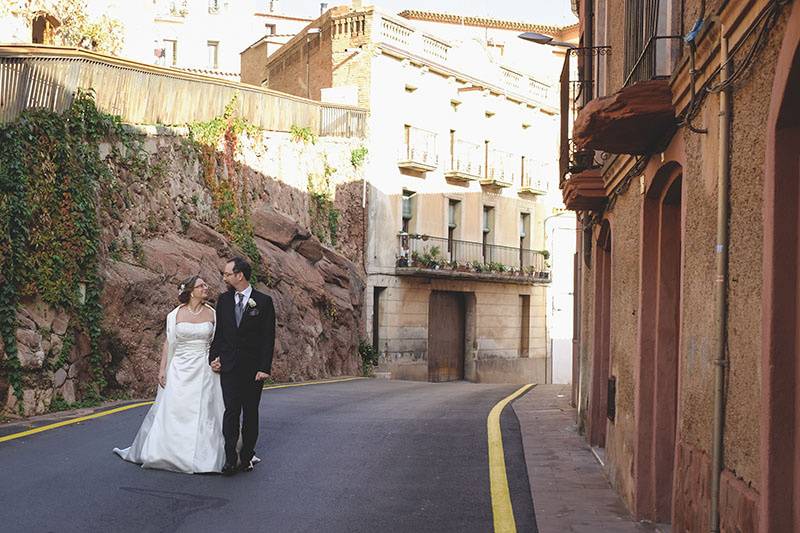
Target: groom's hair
(240, 264)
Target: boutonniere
(251, 303)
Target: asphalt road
(357, 456)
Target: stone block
(278, 229)
(60, 377)
(311, 249)
(68, 391)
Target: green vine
(51, 173)
(358, 156)
(224, 179)
(322, 213)
(304, 135)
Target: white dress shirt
(246, 292)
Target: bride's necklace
(195, 313)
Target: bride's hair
(185, 289)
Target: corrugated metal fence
(48, 77)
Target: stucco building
(462, 147)
(683, 169)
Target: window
(453, 216)
(408, 210)
(271, 29)
(213, 54)
(171, 46)
(525, 325)
(524, 239)
(488, 226)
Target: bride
(182, 431)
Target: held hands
(216, 366)
(261, 376)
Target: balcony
(396, 34)
(466, 162)
(418, 152)
(534, 177)
(640, 117)
(426, 256)
(171, 10)
(585, 191)
(502, 169)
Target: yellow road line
(140, 404)
(71, 421)
(502, 511)
(320, 382)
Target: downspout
(721, 283)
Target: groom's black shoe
(229, 469)
(247, 466)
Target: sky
(551, 12)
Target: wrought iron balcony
(577, 89)
(419, 150)
(426, 255)
(466, 162)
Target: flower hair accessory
(181, 288)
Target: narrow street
(364, 455)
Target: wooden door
(446, 312)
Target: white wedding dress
(182, 431)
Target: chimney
(323, 7)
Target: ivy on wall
(224, 179)
(321, 211)
(51, 173)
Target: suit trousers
(241, 394)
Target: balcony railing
(535, 173)
(466, 161)
(397, 33)
(172, 8)
(436, 253)
(577, 89)
(419, 150)
(48, 77)
(502, 169)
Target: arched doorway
(601, 361)
(659, 342)
(780, 427)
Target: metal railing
(502, 166)
(534, 174)
(48, 77)
(467, 158)
(419, 146)
(437, 253)
(577, 89)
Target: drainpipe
(720, 284)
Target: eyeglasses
(226, 274)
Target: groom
(242, 353)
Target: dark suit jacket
(250, 346)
